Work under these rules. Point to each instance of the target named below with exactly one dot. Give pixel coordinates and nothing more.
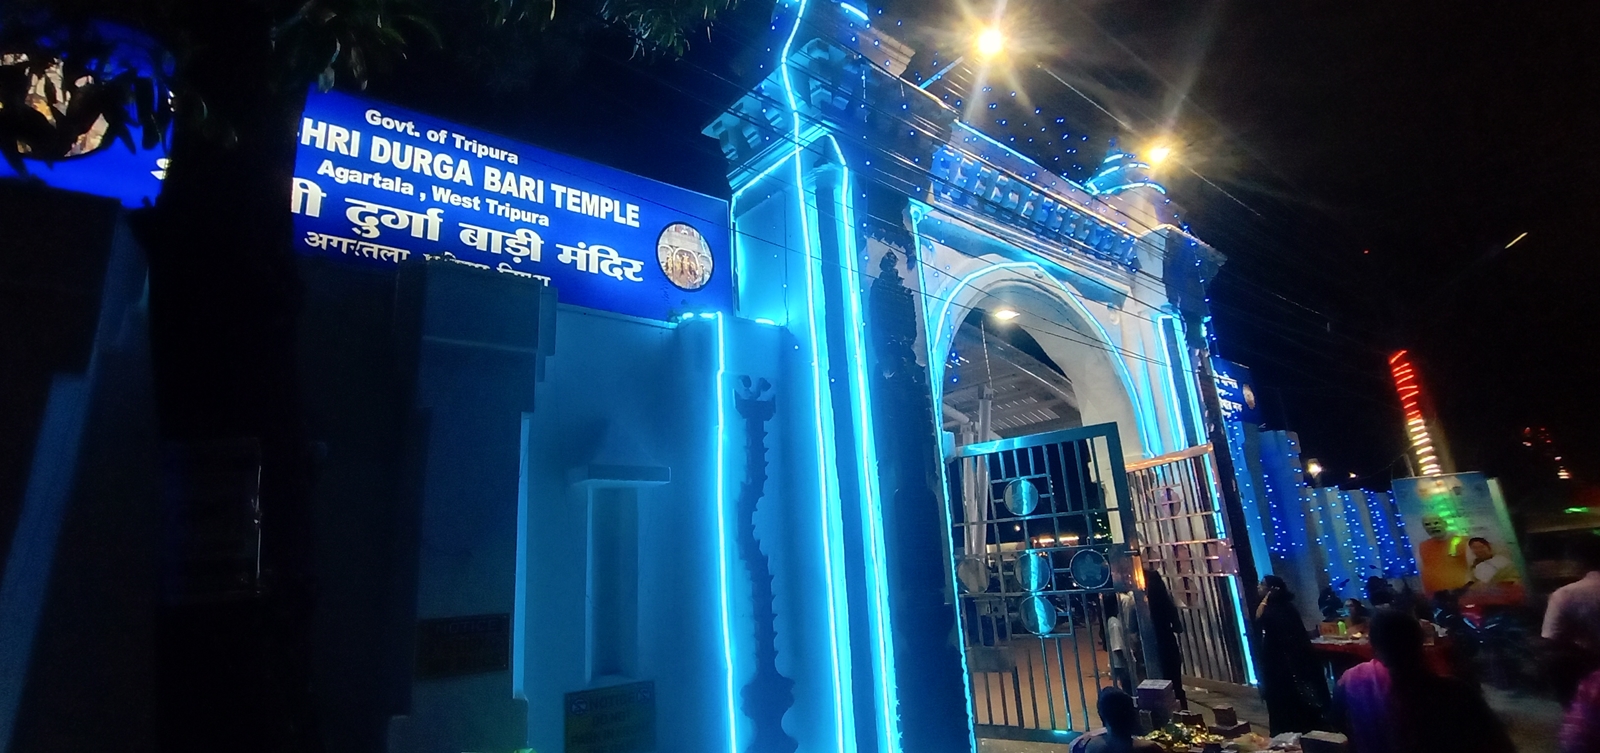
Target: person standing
(1118, 639)
(1573, 613)
(1395, 704)
(1167, 624)
(1291, 680)
(1571, 629)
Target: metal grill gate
(1181, 537)
(1040, 530)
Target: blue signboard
(1235, 392)
(377, 185)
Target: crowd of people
(1396, 701)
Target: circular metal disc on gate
(1038, 615)
(1090, 569)
(973, 574)
(1021, 497)
(1034, 571)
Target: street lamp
(1158, 154)
(990, 42)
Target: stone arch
(1068, 326)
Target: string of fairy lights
(1329, 522)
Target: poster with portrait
(1462, 538)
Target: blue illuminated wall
(640, 434)
(1318, 536)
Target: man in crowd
(1121, 718)
(1572, 628)
(1573, 613)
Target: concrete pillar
(472, 344)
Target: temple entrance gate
(1041, 530)
(1182, 537)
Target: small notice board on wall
(617, 719)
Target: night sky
(1362, 165)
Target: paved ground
(1007, 746)
(1532, 720)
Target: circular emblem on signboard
(684, 256)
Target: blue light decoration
(1121, 171)
(1236, 593)
(843, 732)
(719, 385)
(917, 212)
(1341, 534)
(962, 178)
(375, 185)
(1403, 555)
(872, 509)
(1354, 540)
(1184, 422)
(940, 338)
(741, 266)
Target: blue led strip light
(872, 507)
(944, 491)
(1178, 419)
(734, 200)
(936, 339)
(1216, 494)
(841, 731)
(738, 236)
(720, 480)
(854, 11)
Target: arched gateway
(1030, 352)
(873, 456)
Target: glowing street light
(1158, 154)
(1006, 315)
(991, 42)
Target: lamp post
(989, 42)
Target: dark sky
(1394, 149)
(1361, 164)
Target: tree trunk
(223, 308)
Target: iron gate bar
(1083, 504)
(1182, 538)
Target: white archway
(1067, 326)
